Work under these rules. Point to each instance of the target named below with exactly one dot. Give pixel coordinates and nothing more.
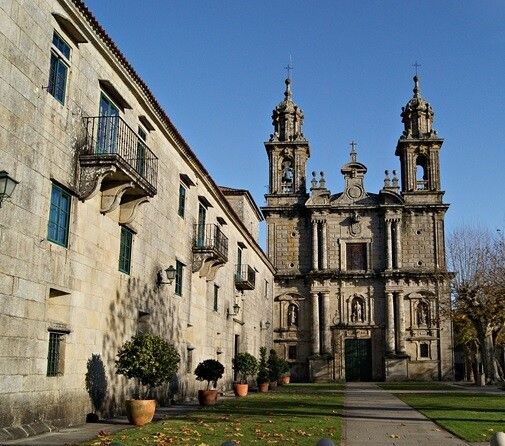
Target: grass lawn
(469, 416)
(293, 415)
(416, 385)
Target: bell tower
(419, 151)
(288, 152)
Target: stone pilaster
(326, 332)
(324, 246)
(398, 244)
(315, 246)
(389, 244)
(390, 323)
(315, 324)
(401, 324)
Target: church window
(424, 350)
(421, 173)
(356, 256)
(292, 315)
(292, 353)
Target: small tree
(284, 367)
(263, 375)
(209, 370)
(245, 365)
(149, 359)
(274, 366)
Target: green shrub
(274, 366)
(263, 375)
(209, 370)
(245, 365)
(284, 367)
(149, 359)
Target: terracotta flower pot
(140, 412)
(207, 397)
(263, 387)
(240, 389)
(284, 379)
(272, 385)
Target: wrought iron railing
(245, 277)
(108, 136)
(209, 237)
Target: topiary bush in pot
(274, 368)
(151, 361)
(211, 371)
(263, 377)
(245, 365)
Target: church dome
(287, 119)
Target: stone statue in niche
(292, 316)
(357, 310)
(422, 313)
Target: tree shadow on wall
(164, 319)
(96, 386)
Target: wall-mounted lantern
(219, 351)
(264, 325)
(7, 186)
(169, 273)
(190, 347)
(236, 309)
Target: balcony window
(141, 151)
(125, 250)
(59, 216)
(245, 277)
(58, 68)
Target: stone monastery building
(110, 197)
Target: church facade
(361, 289)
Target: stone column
(389, 241)
(315, 246)
(326, 332)
(324, 249)
(315, 323)
(398, 244)
(401, 323)
(390, 323)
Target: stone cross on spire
(416, 66)
(353, 151)
(289, 67)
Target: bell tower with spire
(288, 152)
(419, 151)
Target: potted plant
(285, 372)
(152, 361)
(209, 370)
(245, 365)
(273, 369)
(263, 375)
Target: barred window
(356, 256)
(424, 350)
(292, 353)
(54, 355)
(182, 200)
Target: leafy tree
(263, 373)
(149, 359)
(245, 365)
(478, 258)
(209, 370)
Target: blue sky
(217, 68)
